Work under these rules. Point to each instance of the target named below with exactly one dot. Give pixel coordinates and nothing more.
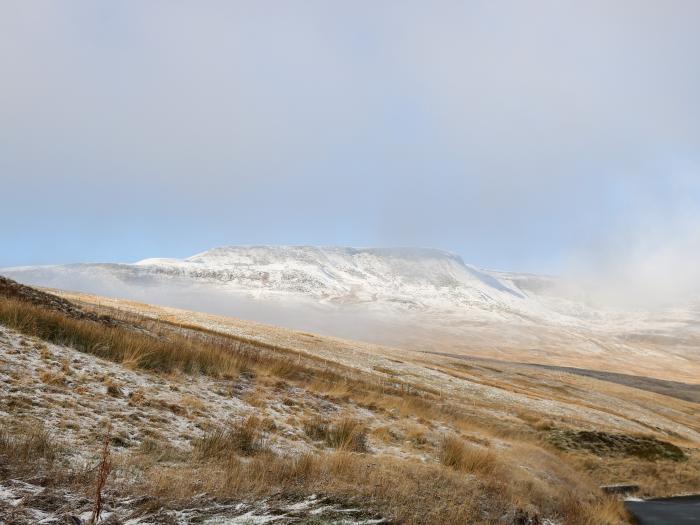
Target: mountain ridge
(389, 282)
(414, 277)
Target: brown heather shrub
(114, 390)
(52, 378)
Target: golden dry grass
(26, 444)
(116, 343)
(475, 469)
(474, 459)
(347, 434)
(408, 492)
(343, 434)
(165, 349)
(241, 438)
(228, 465)
(52, 378)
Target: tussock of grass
(457, 454)
(241, 438)
(416, 435)
(27, 445)
(316, 428)
(52, 378)
(345, 434)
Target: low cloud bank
(653, 266)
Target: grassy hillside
(216, 424)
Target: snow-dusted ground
(74, 395)
(498, 389)
(23, 503)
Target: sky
(539, 136)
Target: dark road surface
(669, 511)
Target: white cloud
(500, 130)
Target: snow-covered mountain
(392, 279)
(408, 276)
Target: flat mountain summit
(398, 278)
(339, 272)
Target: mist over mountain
(386, 280)
(420, 298)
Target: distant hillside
(416, 298)
(392, 279)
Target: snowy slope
(331, 288)
(393, 280)
(411, 276)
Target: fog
(650, 259)
(289, 311)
